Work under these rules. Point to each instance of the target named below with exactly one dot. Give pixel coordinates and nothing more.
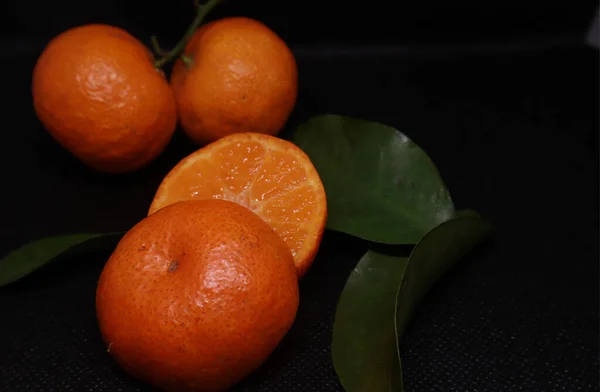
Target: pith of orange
(196, 296)
(96, 91)
(241, 77)
(270, 176)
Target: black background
(503, 98)
(31, 24)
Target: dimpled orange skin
(96, 91)
(196, 296)
(243, 78)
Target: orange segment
(268, 175)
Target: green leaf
(381, 295)
(380, 185)
(364, 334)
(32, 256)
(435, 253)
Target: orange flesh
(270, 176)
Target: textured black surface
(310, 22)
(515, 136)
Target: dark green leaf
(380, 185)
(30, 257)
(366, 332)
(364, 339)
(433, 256)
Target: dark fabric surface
(311, 22)
(514, 135)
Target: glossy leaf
(364, 338)
(380, 297)
(34, 255)
(435, 253)
(380, 185)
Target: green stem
(156, 46)
(187, 60)
(201, 11)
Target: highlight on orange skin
(270, 176)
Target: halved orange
(272, 177)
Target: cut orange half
(272, 177)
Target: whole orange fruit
(96, 91)
(241, 77)
(268, 175)
(196, 296)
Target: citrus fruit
(270, 176)
(196, 296)
(241, 77)
(96, 91)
